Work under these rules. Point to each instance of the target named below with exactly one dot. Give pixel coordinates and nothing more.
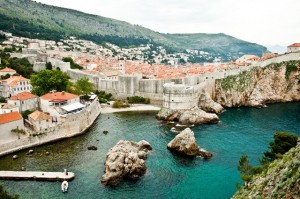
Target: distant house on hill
(8, 108)
(293, 48)
(25, 101)
(13, 86)
(6, 71)
(8, 122)
(40, 121)
(247, 59)
(57, 99)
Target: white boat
(64, 186)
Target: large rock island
(188, 116)
(185, 143)
(125, 161)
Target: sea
(241, 131)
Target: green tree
(49, 66)
(47, 80)
(282, 143)
(72, 63)
(83, 86)
(245, 169)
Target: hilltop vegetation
(36, 20)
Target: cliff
(278, 82)
(280, 180)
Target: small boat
(64, 186)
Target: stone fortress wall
(130, 85)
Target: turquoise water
(241, 131)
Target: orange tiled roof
(23, 96)
(7, 70)
(13, 80)
(39, 116)
(59, 95)
(295, 45)
(10, 117)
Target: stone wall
(57, 63)
(72, 125)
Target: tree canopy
(83, 86)
(47, 80)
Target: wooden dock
(36, 175)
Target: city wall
(130, 85)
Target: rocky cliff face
(279, 82)
(281, 180)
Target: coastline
(134, 107)
(63, 131)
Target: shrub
(138, 100)
(120, 104)
(290, 66)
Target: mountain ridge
(29, 18)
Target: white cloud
(264, 22)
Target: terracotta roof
(13, 80)
(7, 70)
(59, 95)
(295, 45)
(23, 96)
(10, 117)
(7, 106)
(39, 116)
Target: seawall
(74, 124)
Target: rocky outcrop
(281, 180)
(209, 105)
(185, 143)
(278, 82)
(190, 116)
(125, 161)
(198, 116)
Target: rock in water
(125, 161)
(198, 116)
(94, 148)
(186, 144)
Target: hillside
(281, 180)
(36, 20)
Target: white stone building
(8, 108)
(8, 122)
(54, 100)
(293, 48)
(40, 122)
(14, 85)
(6, 71)
(25, 101)
(247, 59)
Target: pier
(36, 175)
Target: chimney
(63, 92)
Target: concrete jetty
(36, 175)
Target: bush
(2, 100)
(138, 100)
(120, 104)
(26, 113)
(72, 63)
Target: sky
(266, 22)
